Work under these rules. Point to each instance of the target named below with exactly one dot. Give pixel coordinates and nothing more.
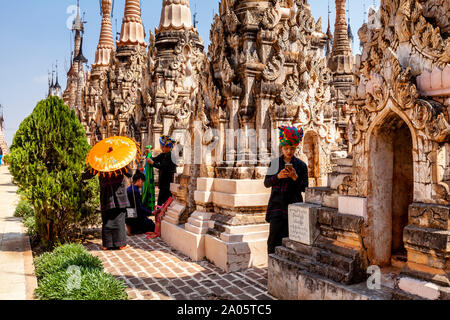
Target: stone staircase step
(298, 247)
(343, 170)
(300, 260)
(247, 228)
(338, 261)
(331, 272)
(197, 222)
(336, 248)
(251, 236)
(195, 229)
(340, 266)
(344, 162)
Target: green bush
(62, 258)
(6, 158)
(46, 161)
(81, 284)
(70, 272)
(24, 210)
(30, 223)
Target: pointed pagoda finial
(78, 24)
(175, 15)
(80, 57)
(57, 86)
(349, 28)
(132, 32)
(106, 42)
(53, 75)
(341, 44)
(329, 34)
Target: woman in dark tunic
(167, 168)
(142, 223)
(287, 183)
(113, 204)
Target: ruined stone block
(430, 216)
(437, 240)
(322, 196)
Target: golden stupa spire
(132, 32)
(106, 42)
(341, 44)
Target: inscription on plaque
(302, 223)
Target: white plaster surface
(189, 243)
(419, 288)
(353, 205)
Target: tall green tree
(47, 158)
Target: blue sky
(35, 35)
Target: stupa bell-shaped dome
(175, 15)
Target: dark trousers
(141, 225)
(113, 228)
(279, 229)
(164, 195)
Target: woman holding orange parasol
(111, 159)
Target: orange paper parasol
(112, 154)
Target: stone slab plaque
(303, 223)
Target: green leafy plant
(70, 272)
(24, 209)
(6, 158)
(46, 160)
(63, 257)
(92, 284)
(30, 223)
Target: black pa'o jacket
(284, 191)
(113, 189)
(167, 169)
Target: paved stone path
(17, 280)
(154, 271)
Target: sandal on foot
(124, 247)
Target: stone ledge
(232, 186)
(194, 229)
(438, 240)
(419, 288)
(288, 281)
(323, 196)
(236, 256)
(251, 236)
(337, 220)
(430, 216)
(426, 273)
(190, 244)
(229, 200)
(247, 228)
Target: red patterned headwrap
(290, 136)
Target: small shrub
(24, 209)
(70, 272)
(63, 257)
(30, 223)
(6, 158)
(91, 284)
